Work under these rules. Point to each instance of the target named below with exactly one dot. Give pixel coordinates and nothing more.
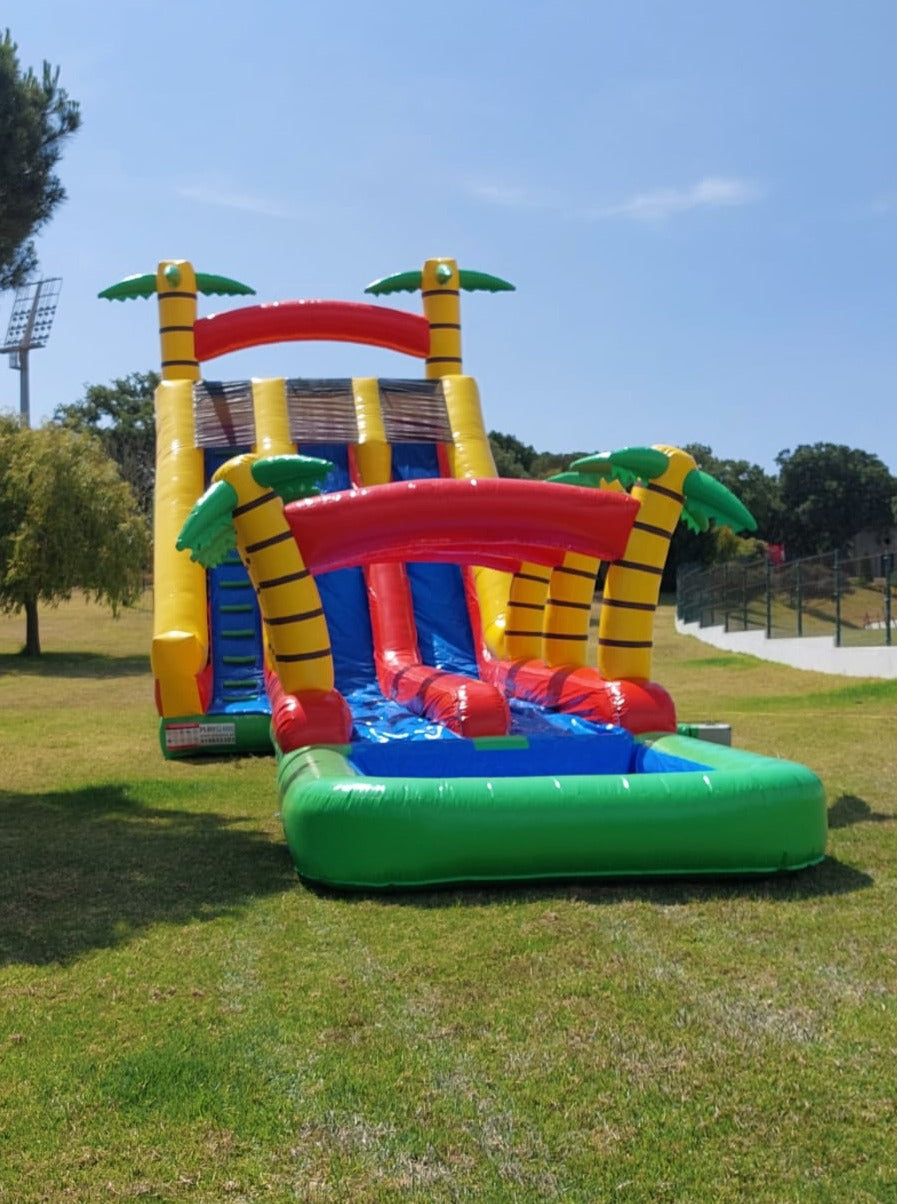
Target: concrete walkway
(808, 652)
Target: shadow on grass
(88, 869)
(849, 810)
(73, 664)
(830, 877)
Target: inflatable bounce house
(341, 577)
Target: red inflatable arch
(324, 321)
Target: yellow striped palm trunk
(442, 309)
(568, 608)
(177, 313)
(287, 594)
(632, 589)
(272, 438)
(525, 611)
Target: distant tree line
(823, 495)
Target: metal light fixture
(30, 322)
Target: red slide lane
(326, 321)
(496, 521)
(462, 704)
(581, 690)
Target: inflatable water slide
(341, 578)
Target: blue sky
(697, 201)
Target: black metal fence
(852, 599)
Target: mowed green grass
(182, 1019)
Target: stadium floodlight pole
(30, 322)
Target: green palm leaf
(473, 282)
(706, 499)
(410, 282)
(586, 480)
(208, 530)
(132, 286)
(223, 286)
(628, 465)
(145, 285)
(399, 282)
(291, 477)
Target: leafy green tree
(829, 494)
(521, 460)
(36, 116)
(67, 521)
(512, 458)
(122, 416)
(548, 464)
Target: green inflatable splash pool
(434, 813)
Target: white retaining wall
(808, 652)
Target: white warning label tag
(200, 735)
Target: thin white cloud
(712, 192)
(657, 205)
(510, 196)
(225, 198)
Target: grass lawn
(181, 1019)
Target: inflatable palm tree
(669, 485)
(439, 283)
(176, 285)
(243, 508)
